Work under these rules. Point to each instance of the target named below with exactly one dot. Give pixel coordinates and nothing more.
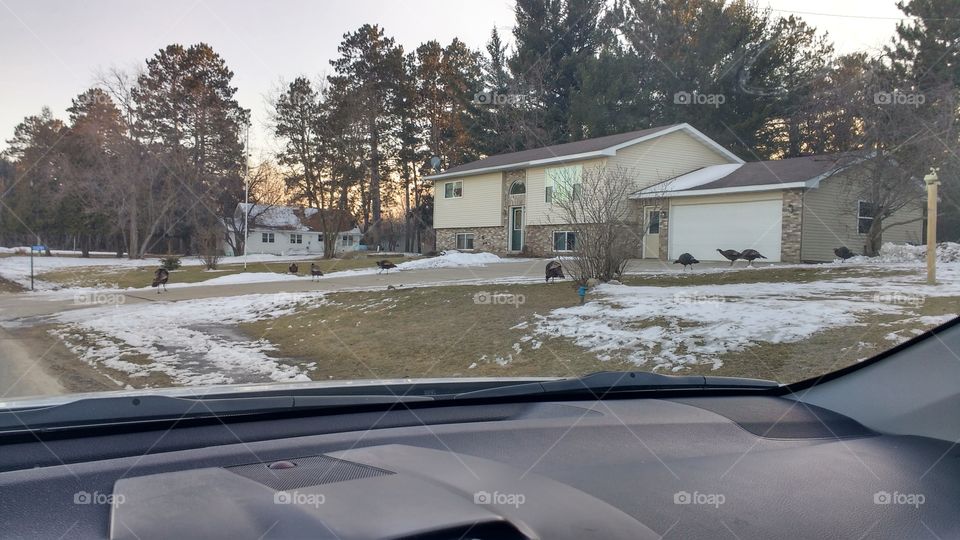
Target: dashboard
(684, 467)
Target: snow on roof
(288, 218)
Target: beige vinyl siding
(666, 157)
(480, 205)
(729, 198)
(830, 221)
(538, 211)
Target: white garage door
(700, 229)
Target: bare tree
(606, 224)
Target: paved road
(38, 304)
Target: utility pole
(932, 181)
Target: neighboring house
(288, 230)
(695, 195)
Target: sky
(51, 51)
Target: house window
(464, 240)
(453, 190)
(266, 238)
(653, 222)
(865, 213)
(296, 238)
(346, 240)
(564, 240)
(561, 180)
(518, 188)
(320, 237)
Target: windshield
(244, 193)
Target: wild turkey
(293, 269)
(554, 270)
(730, 254)
(686, 260)
(751, 255)
(160, 279)
(315, 272)
(385, 265)
(844, 253)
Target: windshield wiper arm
(613, 382)
(113, 410)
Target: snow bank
(246, 277)
(891, 253)
(452, 259)
(188, 341)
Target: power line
(847, 16)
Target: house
(694, 195)
(289, 230)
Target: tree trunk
(874, 238)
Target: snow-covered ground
(668, 328)
(188, 341)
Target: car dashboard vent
(306, 471)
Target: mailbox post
(932, 181)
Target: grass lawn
(443, 331)
(142, 276)
(9, 286)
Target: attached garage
(699, 226)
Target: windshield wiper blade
(616, 382)
(123, 409)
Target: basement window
(564, 240)
(865, 213)
(464, 240)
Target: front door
(651, 236)
(516, 228)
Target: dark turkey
(293, 268)
(686, 260)
(554, 271)
(844, 253)
(729, 254)
(315, 271)
(385, 265)
(160, 279)
(751, 255)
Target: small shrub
(170, 263)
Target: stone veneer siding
(664, 232)
(492, 239)
(791, 229)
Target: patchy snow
(188, 341)
(668, 328)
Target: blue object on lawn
(38, 248)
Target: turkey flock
(731, 255)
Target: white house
(695, 196)
(289, 230)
